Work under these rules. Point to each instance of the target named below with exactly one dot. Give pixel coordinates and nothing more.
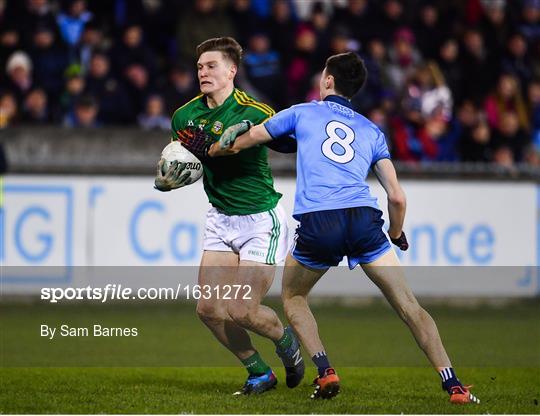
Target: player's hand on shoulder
(401, 241)
(173, 178)
(232, 132)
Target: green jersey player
(246, 228)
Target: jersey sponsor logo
(340, 109)
(217, 128)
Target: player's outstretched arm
(397, 203)
(231, 144)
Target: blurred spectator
(9, 110)
(479, 66)
(263, 68)
(534, 101)
(19, 74)
(202, 21)
(180, 88)
(49, 59)
(245, 22)
(282, 28)
(429, 31)
(433, 93)
(451, 68)
(516, 60)
(133, 50)
(84, 114)
(377, 84)
(154, 117)
(35, 109)
(386, 23)
(357, 19)
(302, 65)
(9, 43)
(475, 135)
(114, 103)
(403, 57)
(511, 135)
(36, 13)
(415, 139)
(495, 26)
(71, 24)
(138, 86)
(314, 92)
(504, 157)
(529, 25)
(507, 97)
(378, 116)
(92, 40)
(319, 22)
(73, 89)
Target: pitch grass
(204, 390)
(496, 348)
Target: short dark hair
(226, 45)
(349, 73)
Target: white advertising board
(122, 221)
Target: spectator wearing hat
(74, 86)
(19, 75)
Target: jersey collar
(340, 100)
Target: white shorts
(261, 237)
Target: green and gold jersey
(241, 184)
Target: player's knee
(208, 312)
(241, 313)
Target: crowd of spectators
(448, 80)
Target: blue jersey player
(338, 215)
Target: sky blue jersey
(336, 148)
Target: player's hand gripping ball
(177, 167)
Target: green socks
(255, 365)
(285, 341)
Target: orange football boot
(327, 386)
(462, 395)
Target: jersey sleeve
(380, 150)
(176, 123)
(282, 124)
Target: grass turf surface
(382, 370)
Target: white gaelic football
(174, 151)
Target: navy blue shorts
(324, 237)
